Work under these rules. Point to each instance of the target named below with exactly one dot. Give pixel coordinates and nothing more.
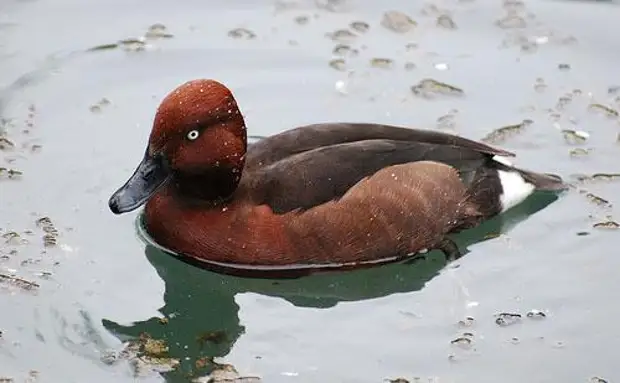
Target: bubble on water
(341, 87)
(441, 66)
(564, 67)
(398, 22)
(409, 66)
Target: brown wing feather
(298, 140)
(401, 209)
(313, 177)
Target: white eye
(192, 135)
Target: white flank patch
(502, 160)
(515, 189)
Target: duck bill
(151, 173)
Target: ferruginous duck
(324, 194)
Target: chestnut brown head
(198, 141)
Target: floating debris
(511, 21)
(216, 337)
(10, 173)
(133, 45)
(338, 64)
(464, 341)
(96, 108)
(446, 22)
(447, 121)
(397, 380)
(344, 50)
(18, 282)
(398, 22)
(563, 101)
(575, 136)
(597, 379)
(103, 47)
(382, 63)
(302, 20)
(13, 238)
(145, 355)
(607, 110)
(429, 88)
(360, 26)
(579, 152)
(609, 224)
(5, 143)
(614, 89)
(409, 66)
(539, 85)
(50, 236)
(4, 379)
(514, 5)
(226, 373)
(507, 319)
(501, 134)
(411, 46)
(606, 176)
(342, 35)
(595, 199)
(158, 31)
(163, 320)
(536, 314)
(564, 67)
(241, 33)
(467, 322)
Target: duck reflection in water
(201, 314)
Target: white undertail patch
(515, 189)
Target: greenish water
(100, 284)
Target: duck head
(197, 146)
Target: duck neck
(213, 186)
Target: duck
(325, 194)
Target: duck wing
(306, 138)
(400, 210)
(313, 177)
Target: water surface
(79, 121)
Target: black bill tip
(151, 173)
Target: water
(100, 285)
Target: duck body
(323, 194)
